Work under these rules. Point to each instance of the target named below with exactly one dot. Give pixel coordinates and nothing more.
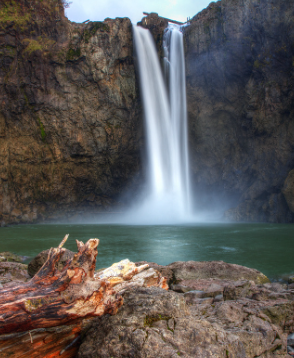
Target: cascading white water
(174, 68)
(167, 196)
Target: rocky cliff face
(71, 131)
(239, 64)
(70, 121)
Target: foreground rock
(156, 323)
(12, 270)
(224, 311)
(219, 310)
(10, 257)
(215, 269)
(182, 272)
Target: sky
(82, 10)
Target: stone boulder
(219, 310)
(186, 274)
(10, 257)
(12, 270)
(12, 273)
(166, 271)
(157, 323)
(195, 270)
(38, 261)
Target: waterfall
(174, 69)
(167, 195)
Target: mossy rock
(93, 28)
(73, 54)
(9, 257)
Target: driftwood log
(65, 298)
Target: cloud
(81, 10)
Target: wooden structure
(165, 18)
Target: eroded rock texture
(70, 123)
(239, 64)
(157, 323)
(12, 270)
(218, 310)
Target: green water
(266, 247)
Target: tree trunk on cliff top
(52, 298)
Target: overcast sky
(98, 10)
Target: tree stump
(66, 298)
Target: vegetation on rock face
(43, 134)
(73, 54)
(41, 43)
(22, 12)
(149, 320)
(11, 11)
(93, 28)
(47, 95)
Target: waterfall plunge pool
(265, 247)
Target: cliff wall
(71, 127)
(240, 67)
(70, 118)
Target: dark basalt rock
(239, 65)
(288, 190)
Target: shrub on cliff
(23, 12)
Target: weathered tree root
(53, 298)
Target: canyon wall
(70, 114)
(240, 67)
(71, 126)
